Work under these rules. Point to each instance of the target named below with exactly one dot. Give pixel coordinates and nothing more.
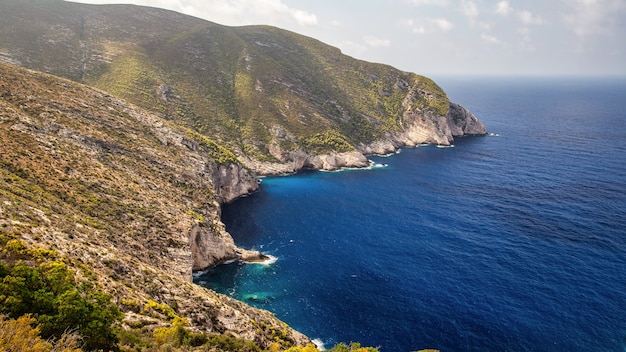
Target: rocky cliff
(419, 128)
(120, 194)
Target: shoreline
(247, 256)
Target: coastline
(236, 181)
(248, 256)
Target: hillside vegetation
(97, 195)
(260, 91)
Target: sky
(444, 37)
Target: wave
(375, 165)
(388, 154)
(262, 297)
(269, 261)
(197, 274)
(319, 344)
(372, 165)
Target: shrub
(18, 335)
(326, 142)
(219, 153)
(50, 293)
(340, 347)
(229, 343)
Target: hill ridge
(260, 91)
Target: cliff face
(419, 128)
(427, 128)
(233, 181)
(463, 123)
(209, 247)
(119, 193)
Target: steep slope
(278, 100)
(126, 197)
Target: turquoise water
(509, 242)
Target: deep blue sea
(509, 242)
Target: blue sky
(444, 37)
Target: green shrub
(49, 292)
(229, 343)
(353, 347)
(177, 335)
(19, 335)
(340, 347)
(219, 153)
(326, 142)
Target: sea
(514, 241)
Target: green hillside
(101, 204)
(236, 85)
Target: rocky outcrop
(211, 244)
(420, 128)
(427, 127)
(233, 181)
(336, 161)
(295, 161)
(424, 128)
(210, 247)
(463, 123)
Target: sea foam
(269, 261)
(319, 344)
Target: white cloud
(471, 12)
(503, 8)
(442, 3)
(469, 9)
(252, 11)
(528, 18)
(376, 42)
(427, 25)
(413, 25)
(231, 12)
(303, 17)
(490, 38)
(596, 17)
(442, 23)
